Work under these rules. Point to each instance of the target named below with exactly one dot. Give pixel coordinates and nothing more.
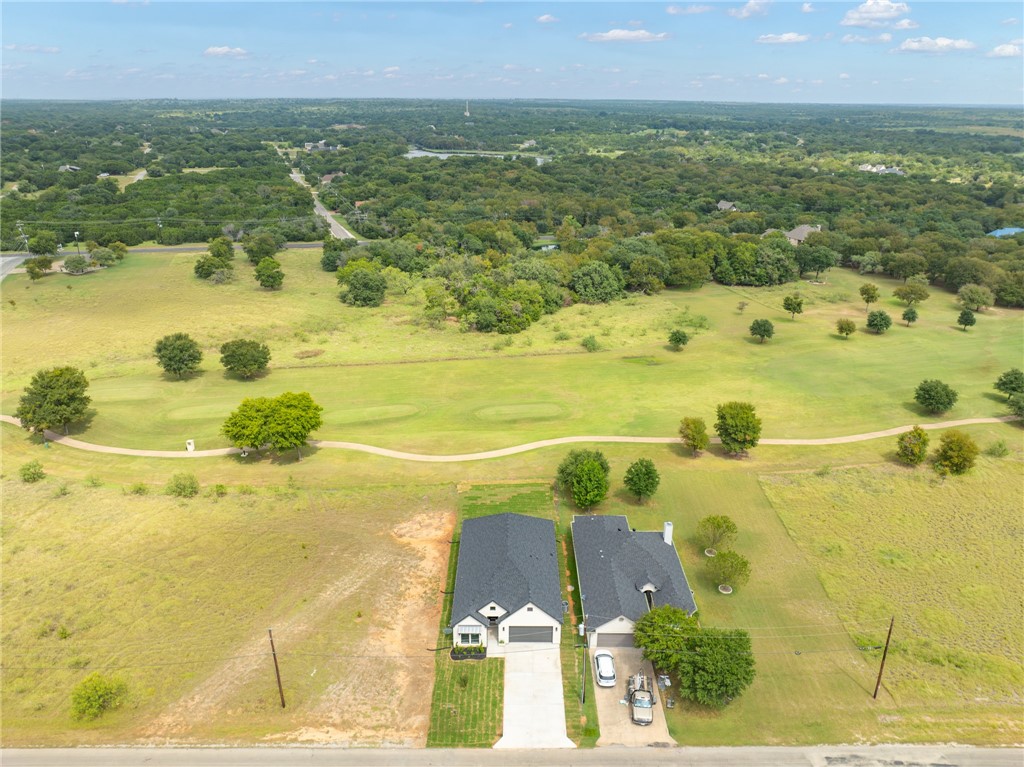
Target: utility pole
(277, 671)
(881, 668)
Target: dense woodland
(581, 202)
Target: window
(469, 635)
(529, 609)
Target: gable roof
(615, 563)
(800, 233)
(509, 559)
(726, 205)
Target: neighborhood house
(623, 574)
(506, 584)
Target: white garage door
(530, 634)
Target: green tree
(281, 423)
(595, 282)
(589, 484)
(716, 531)
(912, 446)
(76, 264)
(95, 695)
(178, 354)
(570, 465)
(975, 297)
(268, 274)
(207, 265)
(846, 327)
(911, 293)
(642, 478)
(717, 666)
(43, 244)
(935, 396)
(244, 357)
(222, 248)
(738, 426)
(54, 398)
(362, 283)
(1011, 382)
(762, 329)
(259, 246)
(694, 434)
(119, 249)
(910, 315)
(662, 633)
(879, 321)
(37, 267)
(956, 454)
(1016, 403)
(868, 294)
(104, 257)
(677, 339)
(729, 568)
(966, 319)
(794, 304)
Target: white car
(605, 664)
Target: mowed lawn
(385, 379)
(175, 596)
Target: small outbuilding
(506, 585)
(725, 206)
(623, 574)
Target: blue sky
(877, 51)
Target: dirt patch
(394, 681)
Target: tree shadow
(80, 426)
(995, 397)
(229, 376)
(174, 378)
(756, 341)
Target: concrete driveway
(613, 715)
(534, 709)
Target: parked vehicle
(641, 699)
(605, 665)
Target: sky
(874, 52)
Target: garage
(612, 640)
(531, 634)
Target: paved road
(10, 263)
(814, 756)
(336, 229)
(500, 452)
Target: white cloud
(625, 36)
(784, 38)
(690, 10)
(391, 69)
(224, 50)
(817, 82)
(1006, 51)
(752, 8)
(844, 76)
(762, 76)
(807, 8)
(874, 13)
(885, 37)
(780, 81)
(547, 18)
(32, 48)
(1009, 21)
(906, 24)
(507, 25)
(935, 45)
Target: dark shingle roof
(509, 559)
(614, 563)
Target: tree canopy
(178, 354)
(935, 396)
(879, 321)
(281, 423)
(738, 426)
(54, 398)
(912, 446)
(244, 357)
(694, 434)
(642, 478)
(763, 329)
(1011, 382)
(956, 454)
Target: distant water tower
(467, 109)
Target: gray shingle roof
(614, 563)
(509, 559)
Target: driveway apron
(534, 709)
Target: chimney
(668, 533)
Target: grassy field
(97, 578)
(470, 391)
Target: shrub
(31, 472)
(138, 488)
(935, 396)
(590, 344)
(716, 530)
(956, 454)
(95, 695)
(998, 449)
(729, 568)
(183, 486)
(846, 327)
(879, 321)
(677, 339)
(912, 446)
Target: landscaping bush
(31, 472)
(95, 695)
(183, 486)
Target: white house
(506, 585)
(623, 574)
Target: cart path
(60, 439)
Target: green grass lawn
(470, 391)
(467, 706)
